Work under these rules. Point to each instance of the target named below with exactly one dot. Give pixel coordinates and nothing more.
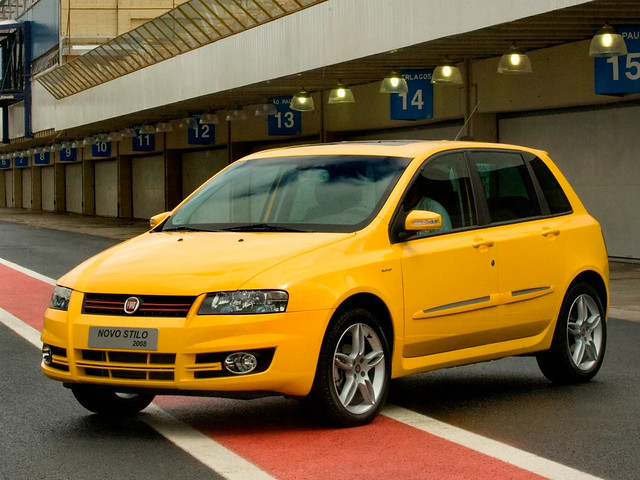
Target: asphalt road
(45, 434)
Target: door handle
(480, 242)
(550, 231)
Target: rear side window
(556, 199)
(507, 185)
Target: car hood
(190, 263)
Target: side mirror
(158, 219)
(421, 220)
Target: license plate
(123, 338)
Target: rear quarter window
(556, 199)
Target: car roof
(393, 148)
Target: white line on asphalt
(492, 448)
(25, 331)
(26, 271)
(233, 467)
(202, 447)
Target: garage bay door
(597, 151)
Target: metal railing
(13, 9)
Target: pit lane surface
(506, 410)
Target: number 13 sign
(620, 75)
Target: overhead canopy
(189, 26)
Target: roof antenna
(467, 120)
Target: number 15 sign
(620, 75)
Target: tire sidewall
(324, 394)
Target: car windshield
(329, 193)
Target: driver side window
(443, 186)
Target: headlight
(244, 301)
(60, 298)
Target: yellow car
(321, 272)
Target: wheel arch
(596, 281)
(375, 305)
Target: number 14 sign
(417, 103)
(620, 75)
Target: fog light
(46, 354)
(241, 363)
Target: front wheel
(579, 341)
(108, 402)
(352, 378)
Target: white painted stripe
(25, 331)
(234, 467)
(195, 443)
(492, 448)
(26, 271)
(202, 447)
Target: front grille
(127, 365)
(150, 305)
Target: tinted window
(443, 186)
(556, 199)
(507, 185)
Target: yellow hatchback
(321, 272)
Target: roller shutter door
(148, 186)
(597, 152)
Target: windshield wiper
(261, 227)
(185, 228)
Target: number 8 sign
(417, 103)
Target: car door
(531, 247)
(449, 276)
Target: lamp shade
(208, 119)
(341, 94)
(446, 75)
(265, 109)
(394, 83)
(302, 102)
(147, 129)
(514, 61)
(607, 42)
(236, 113)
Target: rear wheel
(352, 378)
(111, 403)
(579, 341)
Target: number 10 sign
(620, 75)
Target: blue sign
(620, 75)
(68, 154)
(201, 134)
(5, 164)
(101, 149)
(21, 161)
(143, 142)
(43, 158)
(417, 103)
(286, 121)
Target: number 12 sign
(620, 75)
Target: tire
(351, 385)
(110, 403)
(579, 341)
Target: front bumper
(190, 352)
